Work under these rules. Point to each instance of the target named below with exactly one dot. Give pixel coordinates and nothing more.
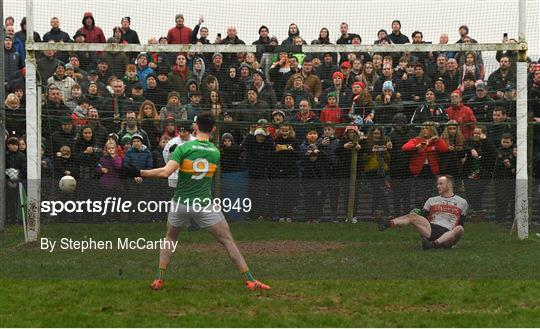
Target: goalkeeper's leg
(165, 255)
(223, 235)
(450, 238)
(421, 224)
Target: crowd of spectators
(292, 120)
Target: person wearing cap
(481, 103)
(387, 104)
(362, 110)
(461, 113)
(93, 33)
(508, 101)
(263, 40)
(429, 110)
(258, 145)
(346, 70)
(278, 118)
(441, 95)
(266, 92)
(61, 81)
(498, 80)
(13, 61)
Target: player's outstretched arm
(163, 172)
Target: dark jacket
(256, 153)
(482, 108)
(141, 159)
(283, 162)
(12, 64)
(56, 35)
(16, 160)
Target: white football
(67, 184)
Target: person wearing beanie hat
(338, 75)
(173, 108)
(179, 34)
(231, 153)
(387, 104)
(388, 85)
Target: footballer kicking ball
(67, 184)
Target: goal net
(325, 115)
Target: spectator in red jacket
(424, 163)
(179, 34)
(462, 114)
(331, 113)
(92, 33)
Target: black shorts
(437, 231)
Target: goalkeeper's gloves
(416, 211)
(132, 171)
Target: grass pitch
(322, 275)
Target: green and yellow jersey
(198, 162)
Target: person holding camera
(376, 158)
(424, 162)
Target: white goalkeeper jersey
(173, 178)
(446, 212)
